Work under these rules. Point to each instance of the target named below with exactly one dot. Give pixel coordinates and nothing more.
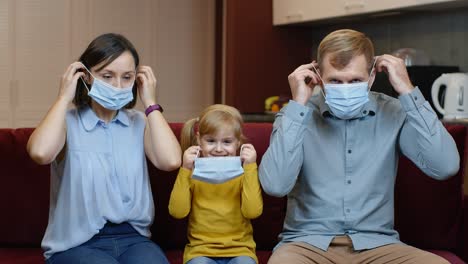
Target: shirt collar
(90, 120)
(369, 108)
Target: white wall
(40, 38)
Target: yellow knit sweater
(219, 221)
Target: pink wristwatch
(151, 108)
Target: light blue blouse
(103, 177)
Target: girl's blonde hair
(212, 119)
(343, 45)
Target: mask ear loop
(198, 153)
(87, 88)
(316, 71)
(371, 71)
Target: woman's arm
(48, 138)
(161, 146)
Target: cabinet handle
(294, 17)
(354, 5)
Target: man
(335, 154)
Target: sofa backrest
(428, 212)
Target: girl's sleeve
(252, 202)
(181, 195)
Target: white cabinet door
(377, 6)
(299, 11)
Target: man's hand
(396, 71)
(300, 90)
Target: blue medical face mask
(346, 100)
(108, 96)
(217, 169)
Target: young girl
(101, 206)
(219, 204)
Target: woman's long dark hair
(105, 48)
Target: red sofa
(429, 214)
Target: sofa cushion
(21, 255)
(427, 211)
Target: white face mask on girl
(346, 100)
(217, 169)
(108, 96)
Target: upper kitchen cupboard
(302, 11)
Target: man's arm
(283, 159)
(424, 139)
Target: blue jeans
(115, 243)
(233, 260)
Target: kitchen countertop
(258, 117)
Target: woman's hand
(189, 157)
(248, 154)
(69, 80)
(146, 83)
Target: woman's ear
(87, 78)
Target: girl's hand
(189, 157)
(69, 80)
(146, 84)
(248, 154)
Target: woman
(101, 205)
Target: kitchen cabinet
(302, 11)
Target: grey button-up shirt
(339, 175)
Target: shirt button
(347, 210)
(349, 151)
(349, 181)
(415, 98)
(364, 112)
(302, 114)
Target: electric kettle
(455, 98)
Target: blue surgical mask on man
(346, 100)
(108, 96)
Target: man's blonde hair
(343, 45)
